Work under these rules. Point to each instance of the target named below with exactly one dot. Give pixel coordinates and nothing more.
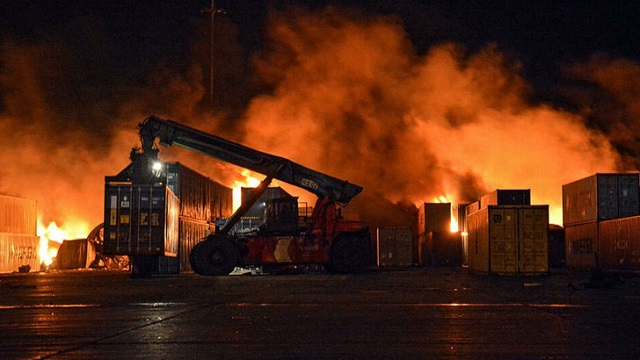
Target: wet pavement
(405, 314)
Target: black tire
(215, 256)
(350, 255)
(193, 255)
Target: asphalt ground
(432, 313)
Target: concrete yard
(405, 314)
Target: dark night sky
(128, 39)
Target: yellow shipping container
(509, 240)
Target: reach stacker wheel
(215, 256)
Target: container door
(533, 224)
(503, 240)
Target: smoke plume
(341, 92)
(352, 98)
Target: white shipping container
(17, 250)
(18, 216)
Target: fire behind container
(140, 220)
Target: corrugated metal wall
(19, 244)
(140, 220)
(506, 197)
(582, 245)
(619, 244)
(395, 247)
(18, 250)
(18, 216)
(440, 248)
(600, 197)
(509, 240)
(201, 202)
(200, 197)
(434, 217)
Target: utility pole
(212, 11)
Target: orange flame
(454, 211)
(76, 229)
(248, 180)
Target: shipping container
(19, 251)
(75, 254)
(619, 244)
(471, 208)
(509, 240)
(434, 217)
(395, 247)
(201, 202)
(18, 216)
(191, 232)
(582, 245)
(600, 197)
(440, 248)
(461, 216)
(557, 247)
(506, 197)
(200, 197)
(140, 220)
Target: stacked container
(140, 220)
(509, 240)
(506, 197)
(19, 243)
(589, 204)
(441, 248)
(619, 245)
(437, 245)
(187, 205)
(507, 235)
(202, 201)
(394, 247)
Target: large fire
(248, 180)
(53, 233)
(454, 227)
(349, 96)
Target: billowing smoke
(606, 91)
(49, 152)
(341, 92)
(352, 98)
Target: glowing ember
(53, 232)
